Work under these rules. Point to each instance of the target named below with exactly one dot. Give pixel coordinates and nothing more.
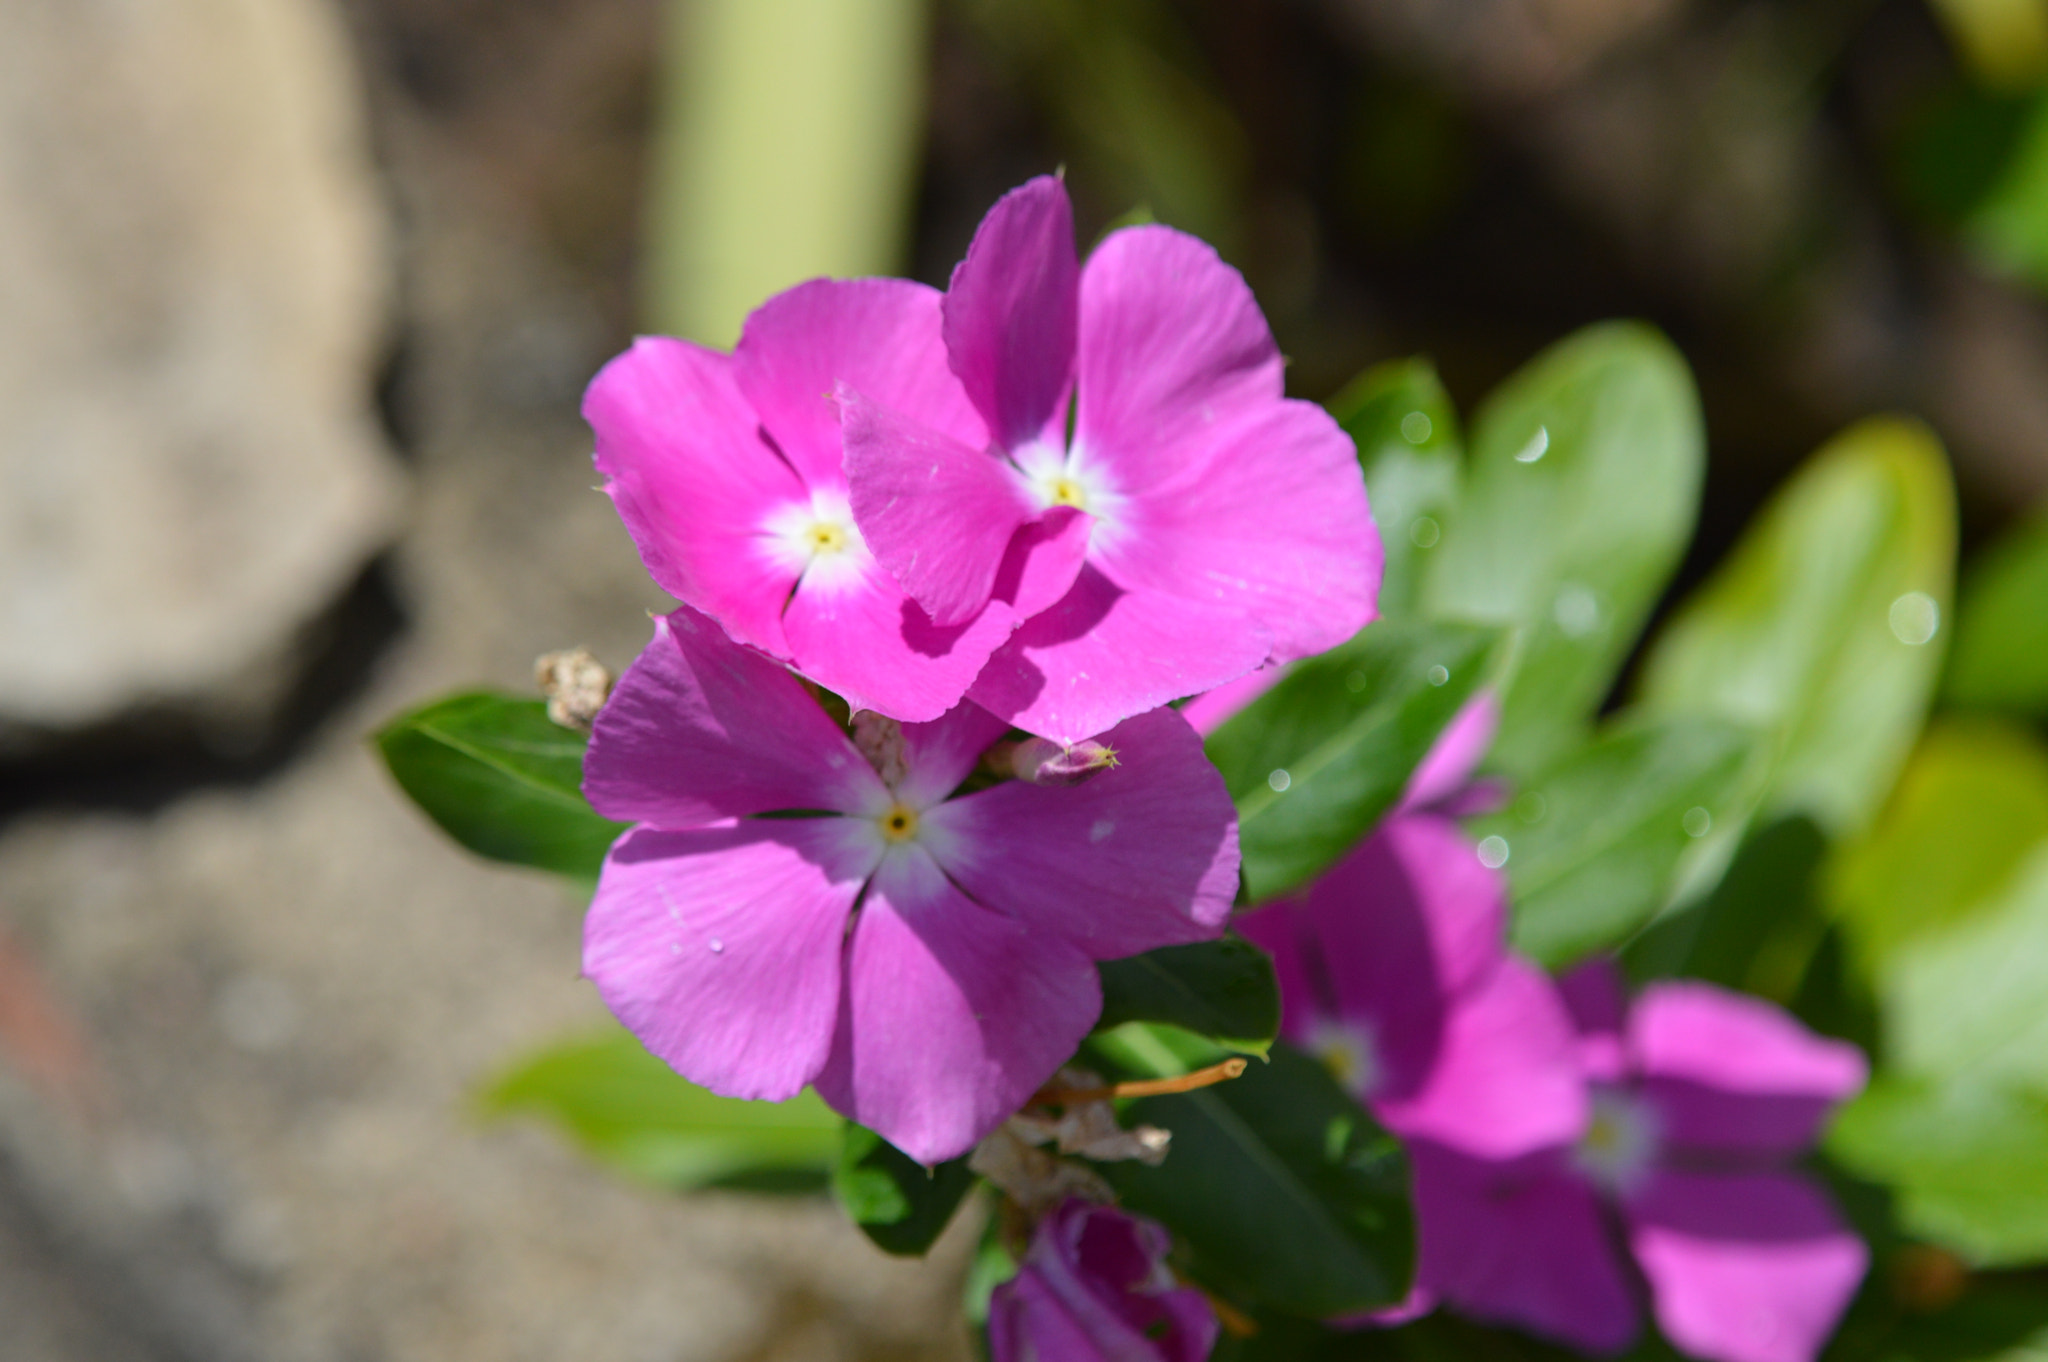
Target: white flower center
(1620, 1142)
(819, 542)
(1348, 1052)
(1057, 477)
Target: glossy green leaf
(1592, 844)
(1972, 1001)
(1969, 807)
(1581, 487)
(629, 1110)
(1407, 436)
(1824, 627)
(1735, 935)
(897, 1202)
(1315, 761)
(1280, 1188)
(1224, 990)
(1967, 1162)
(501, 779)
(2000, 655)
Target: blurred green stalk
(785, 148)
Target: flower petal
(1103, 654)
(1744, 1267)
(1142, 855)
(1211, 709)
(1520, 1243)
(1263, 512)
(719, 947)
(1597, 998)
(700, 728)
(1457, 750)
(1387, 942)
(857, 633)
(1734, 1073)
(1171, 345)
(937, 513)
(879, 336)
(684, 462)
(1506, 1079)
(952, 1015)
(1011, 309)
(944, 751)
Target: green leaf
(1280, 1188)
(1581, 488)
(1967, 1162)
(1972, 1001)
(1315, 761)
(2000, 658)
(897, 1202)
(1593, 844)
(1407, 436)
(1823, 627)
(1735, 935)
(1969, 807)
(629, 1110)
(1224, 990)
(501, 779)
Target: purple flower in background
(1701, 1098)
(727, 472)
(1198, 523)
(924, 961)
(1393, 969)
(1094, 1287)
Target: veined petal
(952, 1015)
(855, 631)
(1142, 855)
(1171, 344)
(1010, 311)
(684, 462)
(880, 336)
(1103, 654)
(1520, 1243)
(1733, 1073)
(937, 513)
(719, 947)
(944, 751)
(1264, 512)
(1505, 1079)
(700, 728)
(1744, 1267)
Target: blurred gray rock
(193, 282)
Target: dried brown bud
(576, 685)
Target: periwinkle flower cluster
(1006, 526)
(878, 493)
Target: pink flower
(924, 961)
(727, 473)
(1392, 968)
(1196, 526)
(1094, 1287)
(1700, 1099)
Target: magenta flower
(1701, 1098)
(1199, 524)
(924, 961)
(1094, 1287)
(727, 472)
(1392, 968)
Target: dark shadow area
(150, 757)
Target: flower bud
(1040, 761)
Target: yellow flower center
(1066, 491)
(826, 537)
(899, 824)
